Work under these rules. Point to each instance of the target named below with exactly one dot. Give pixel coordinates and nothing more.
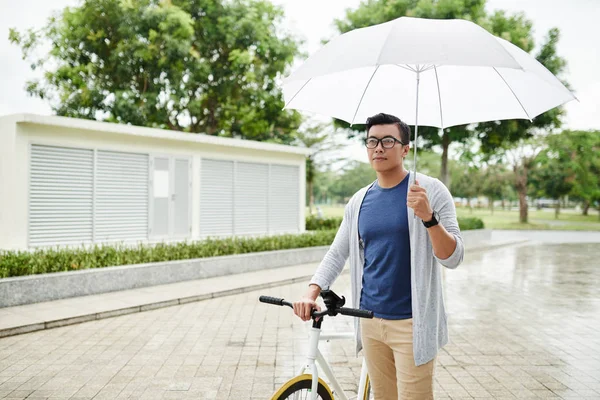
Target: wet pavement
(524, 323)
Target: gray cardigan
(430, 328)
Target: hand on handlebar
(303, 308)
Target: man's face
(384, 159)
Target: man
(394, 260)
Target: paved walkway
(524, 323)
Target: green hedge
(314, 223)
(43, 261)
(468, 223)
(55, 260)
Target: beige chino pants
(388, 351)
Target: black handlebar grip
(271, 300)
(355, 312)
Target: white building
(66, 181)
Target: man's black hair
(387, 119)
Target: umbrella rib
(296, 94)
(439, 96)
(363, 95)
(512, 91)
(406, 67)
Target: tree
(355, 176)
(552, 177)
(428, 163)
(496, 184)
(570, 165)
(522, 159)
(199, 66)
(499, 136)
(323, 181)
(467, 182)
(321, 140)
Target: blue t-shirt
(383, 230)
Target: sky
(312, 20)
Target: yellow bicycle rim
(295, 379)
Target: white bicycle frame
(315, 356)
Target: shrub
(19, 263)
(468, 223)
(314, 223)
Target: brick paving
(524, 324)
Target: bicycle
(305, 384)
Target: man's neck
(391, 178)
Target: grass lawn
(538, 220)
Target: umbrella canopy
(436, 73)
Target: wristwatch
(433, 222)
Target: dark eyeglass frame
(372, 138)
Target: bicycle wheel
(368, 395)
(299, 388)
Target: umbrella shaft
(416, 128)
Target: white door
(181, 197)
(170, 198)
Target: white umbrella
(450, 72)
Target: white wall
(14, 173)
(8, 219)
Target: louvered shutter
(251, 198)
(121, 196)
(284, 199)
(216, 198)
(60, 196)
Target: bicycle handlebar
(275, 300)
(353, 312)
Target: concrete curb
(146, 307)
(492, 246)
(62, 285)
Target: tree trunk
(311, 197)
(586, 207)
(503, 204)
(521, 186)
(445, 174)
(522, 207)
(469, 205)
(491, 200)
(557, 209)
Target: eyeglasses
(387, 142)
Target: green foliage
(200, 66)
(497, 182)
(19, 263)
(569, 165)
(467, 182)
(318, 138)
(355, 176)
(465, 223)
(333, 223)
(314, 223)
